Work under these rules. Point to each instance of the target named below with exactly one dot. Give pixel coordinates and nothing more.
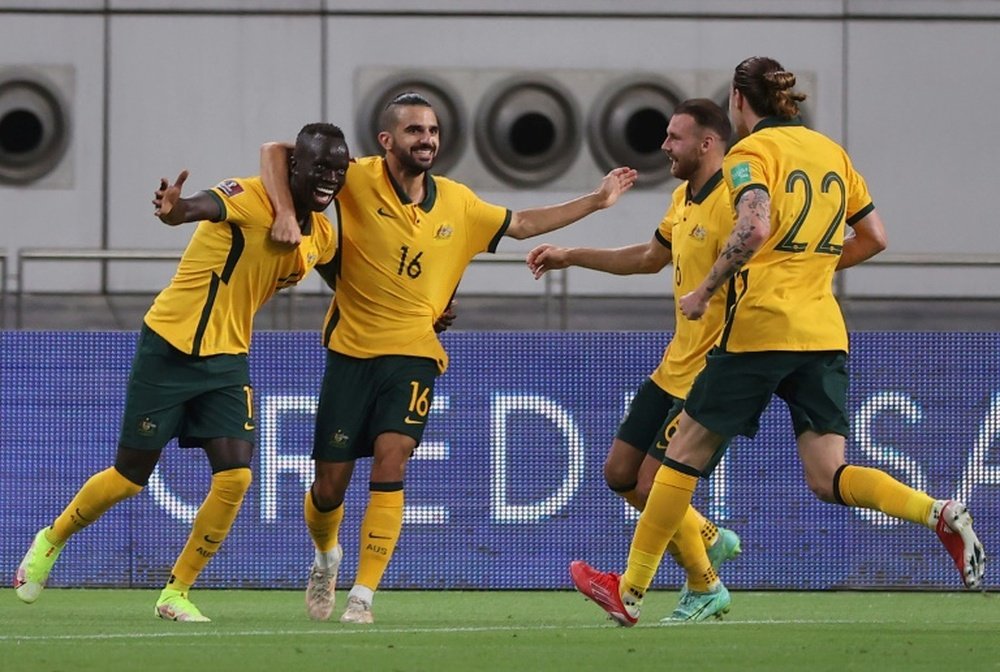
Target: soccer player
(691, 234)
(408, 236)
(190, 377)
(793, 191)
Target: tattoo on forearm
(753, 207)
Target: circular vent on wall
(628, 126)
(34, 126)
(527, 131)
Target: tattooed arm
(753, 226)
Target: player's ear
(385, 140)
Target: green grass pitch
(111, 630)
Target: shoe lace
(357, 604)
(319, 584)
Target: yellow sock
(688, 550)
(101, 491)
(324, 526)
(668, 501)
(632, 498)
(875, 489)
(211, 525)
(708, 530)
(379, 533)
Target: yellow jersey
(230, 269)
(695, 229)
(782, 299)
(400, 262)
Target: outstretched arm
(868, 240)
(536, 221)
(274, 174)
(753, 226)
(648, 257)
(173, 210)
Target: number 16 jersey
(400, 262)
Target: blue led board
(506, 489)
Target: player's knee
(822, 488)
(234, 482)
(619, 477)
(327, 494)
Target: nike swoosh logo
(410, 421)
(378, 536)
(385, 214)
(248, 426)
(212, 541)
(661, 446)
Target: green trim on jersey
(755, 185)
(783, 298)
(500, 233)
(223, 211)
(774, 122)
(235, 252)
(860, 214)
(662, 240)
(694, 229)
(706, 189)
(430, 192)
(230, 269)
(403, 261)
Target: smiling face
(318, 169)
(684, 146)
(413, 140)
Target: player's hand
(693, 304)
(446, 318)
(614, 184)
(546, 257)
(285, 230)
(165, 199)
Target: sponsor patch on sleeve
(231, 187)
(740, 173)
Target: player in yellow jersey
(794, 190)
(408, 236)
(190, 377)
(691, 235)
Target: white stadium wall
(148, 87)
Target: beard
(682, 169)
(410, 164)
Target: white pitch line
(335, 632)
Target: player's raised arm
(173, 210)
(536, 221)
(274, 162)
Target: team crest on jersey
(444, 232)
(230, 188)
(699, 232)
(740, 173)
